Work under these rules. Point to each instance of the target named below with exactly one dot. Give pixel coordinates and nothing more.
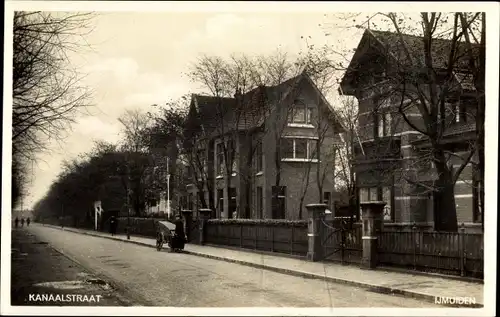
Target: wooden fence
(286, 237)
(454, 253)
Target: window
(220, 199)
(259, 157)
(383, 124)
(203, 161)
(301, 114)
(278, 202)
(183, 202)
(288, 148)
(387, 198)
(200, 196)
(189, 173)
(220, 159)
(367, 194)
(190, 201)
(477, 210)
(260, 203)
(301, 149)
(232, 155)
(233, 203)
(460, 112)
(327, 196)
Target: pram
(166, 234)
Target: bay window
(299, 148)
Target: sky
(139, 59)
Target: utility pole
(128, 201)
(168, 189)
(62, 215)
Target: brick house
(285, 132)
(390, 147)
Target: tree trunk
(445, 213)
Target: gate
(341, 241)
(193, 231)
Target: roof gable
(390, 45)
(249, 110)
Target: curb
(370, 287)
(124, 294)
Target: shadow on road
(40, 275)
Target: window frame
(383, 124)
(307, 110)
(259, 157)
(281, 197)
(219, 162)
(220, 201)
(308, 155)
(328, 201)
(259, 196)
(378, 191)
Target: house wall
(300, 178)
(293, 174)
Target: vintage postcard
(250, 158)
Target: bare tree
(47, 94)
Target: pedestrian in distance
(28, 221)
(22, 222)
(112, 225)
(16, 222)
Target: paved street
(38, 269)
(166, 279)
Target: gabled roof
(251, 108)
(391, 45)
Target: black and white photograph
(250, 158)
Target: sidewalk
(411, 285)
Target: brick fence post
(372, 212)
(202, 224)
(188, 221)
(316, 213)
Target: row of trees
(46, 89)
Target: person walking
(16, 222)
(28, 221)
(179, 239)
(112, 225)
(22, 222)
